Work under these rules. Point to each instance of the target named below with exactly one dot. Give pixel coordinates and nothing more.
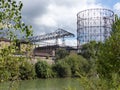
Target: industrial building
(94, 25)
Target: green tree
(61, 53)
(109, 58)
(11, 24)
(62, 69)
(78, 64)
(27, 71)
(11, 19)
(43, 69)
(90, 50)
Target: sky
(47, 15)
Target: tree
(109, 58)
(90, 50)
(61, 53)
(11, 24)
(11, 19)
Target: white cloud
(63, 13)
(117, 8)
(45, 20)
(46, 15)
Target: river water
(45, 84)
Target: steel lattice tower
(94, 25)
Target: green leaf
(30, 26)
(21, 5)
(9, 0)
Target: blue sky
(109, 3)
(47, 15)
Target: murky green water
(45, 84)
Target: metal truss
(94, 25)
(59, 33)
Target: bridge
(59, 33)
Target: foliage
(73, 65)
(62, 69)
(27, 71)
(9, 64)
(11, 19)
(109, 58)
(90, 50)
(77, 64)
(96, 83)
(107, 64)
(9, 69)
(116, 25)
(11, 25)
(61, 53)
(43, 70)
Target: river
(45, 84)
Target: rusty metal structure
(94, 25)
(59, 33)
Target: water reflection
(45, 84)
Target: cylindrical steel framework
(94, 25)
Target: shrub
(78, 64)
(97, 83)
(4, 75)
(61, 53)
(27, 71)
(9, 69)
(43, 70)
(62, 69)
